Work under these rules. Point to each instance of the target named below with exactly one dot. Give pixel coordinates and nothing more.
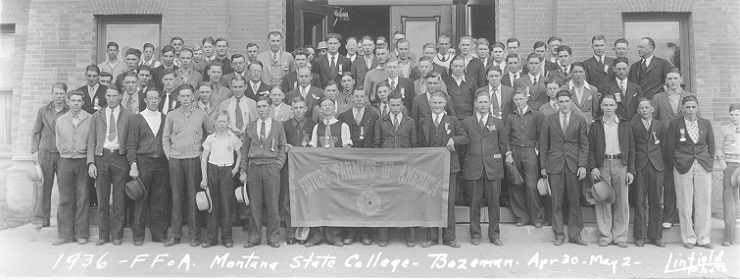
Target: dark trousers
(333, 235)
(729, 201)
(74, 206)
(49, 162)
(648, 194)
(220, 182)
(154, 209)
(670, 209)
(384, 234)
(184, 180)
(263, 184)
(448, 233)
(484, 188)
(112, 176)
(525, 199)
(356, 233)
(284, 202)
(565, 187)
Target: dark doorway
(482, 21)
(372, 21)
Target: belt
(222, 165)
(110, 151)
(732, 156)
(262, 162)
(617, 156)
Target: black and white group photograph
(390, 139)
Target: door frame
(300, 7)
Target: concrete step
(462, 215)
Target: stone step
(462, 215)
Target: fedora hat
(543, 186)
(135, 189)
(241, 195)
(301, 233)
(734, 179)
(589, 195)
(322, 45)
(203, 200)
(35, 174)
(603, 193)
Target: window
(7, 81)
(670, 32)
(129, 32)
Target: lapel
(571, 124)
(653, 65)
(560, 125)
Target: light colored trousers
(612, 220)
(694, 191)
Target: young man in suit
(690, 149)
(650, 71)
(552, 44)
(546, 66)
(649, 135)
(512, 72)
(106, 160)
(148, 163)
(255, 87)
(332, 65)
(441, 130)
(421, 108)
(475, 72)
(461, 88)
(367, 61)
(668, 108)
(263, 156)
(132, 99)
(563, 161)
(498, 57)
(305, 89)
(221, 92)
(482, 51)
(133, 56)
(532, 84)
(522, 128)
(239, 64)
(565, 56)
(290, 81)
(622, 48)
(361, 121)
(611, 158)
(483, 166)
(168, 93)
(585, 96)
(500, 95)
(419, 72)
(400, 85)
(44, 150)
(395, 130)
(276, 62)
(430, 51)
(599, 66)
(628, 94)
(382, 107)
(279, 110)
(94, 92)
(242, 110)
(168, 58)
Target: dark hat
(135, 189)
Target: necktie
(254, 89)
(481, 123)
(239, 116)
(436, 121)
(166, 107)
(274, 58)
(600, 62)
(333, 64)
(621, 87)
(128, 102)
(395, 122)
(647, 125)
(534, 82)
(263, 133)
(112, 127)
(643, 68)
(358, 117)
(443, 59)
(393, 85)
(565, 123)
(304, 91)
(495, 108)
(556, 106)
(327, 134)
(521, 112)
(385, 109)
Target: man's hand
(509, 159)
(595, 174)
(287, 147)
(630, 178)
(204, 183)
(234, 172)
(134, 173)
(451, 145)
(543, 172)
(92, 171)
(581, 173)
(243, 177)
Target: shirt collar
(615, 120)
(573, 85)
(531, 77)
(600, 57)
(649, 59)
(393, 80)
(687, 121)
(355, 110)
(400, 115)
(203, 106)
(440, 115)
(524, 110)
(461, 79)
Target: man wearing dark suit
(94, 92)
(475, 72)
(650, 71)
(332, 65)
(290, 81)
(611, 159)
(168, 58)
(565, 57)
(441, 130)
(533, 84)
(628, 94)
(563, 160)
(366, 62)
(512, 73)
(461, 88)
(500, 95)
(255, 87)
(311, 94)
(690, 150)
(106, 160)
(421, 108)
(239, 65)
(599, 66)
(648, 134)
(400, 85)
(483, 167)
(585, 96)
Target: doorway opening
(372, 21)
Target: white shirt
(346, 136)
(579, 91)
(368, 61)
(611, 136)
(562, 120)
(304, 90)
(436, 116)
(460, 80)
(91, 92)
(531, 78)
(153, 119)
(600, 58)
(358, 113)
(167, 101)
(513, 77)
(336, 59)
(255, 86)
(352, 57)
(245, 112)
(268, 126)
(483, 118)
(112, 144)
(393, 82)
(498, 98)
(647, 60)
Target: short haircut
(154, 89)
(395, 96)
(206, 83)
(498, 45)
(133, 51)
(383, 83)
(235, 56)
(169, 71)
(554, 80)
(177, 38)
(186, 50)
(673, 70)
(257, 62)
(75, 92)
(249, 45)
(494, 69)
(734, 106)
(399, 32)
(301, 51)
(168, 48)
(457, 57)
(481, 93)
(553, 38)
(208, 39)
(222, 40)
(402, 41)
(331, 83)
(368, 38)
(621, 41)
(651, 42)
(513, 40)
(274, 33)
(539, 44)
(196, 48)
(483, 41)
(63, 86)
(564, 48)
(223, 113)
(598, 38)
(92, 68)
(610, 96)
(297, 99)
(327, 99)
(426, 58)
(106, 74)
(264, 98)
(689, 98)
(148, 45)
(533, 55)
(391, 59)
(348, 74)
(112, 44)
(185, 87)
(621, 60)
(429, 46)
(563, 92)
(379, 47)
(467, 37)
(350, 38)
(438, 93)
(579, 64)
(445, 36)
(216, 63)
(129, 74)
(642, 99)
(143, 67)
(432, 74)
(511, 55)
(238, 78)
(333, 36)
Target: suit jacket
(421, 108)
(282, 113)
(226, 79)
(453, 130)
(359, 69)
(290, 81)
(649, 144)
(597, 73)
(416, 73)
(194, 78)
(320, 65)
(506, 79)
(485, 150)
(462, 96)
(286, 63)
(376, 108)
(507, 103)
(157, 74)
(597, 144)
(681, 150)
(546, 67)
(664, 111)
(589, 100)
(547, 109)
(537, 94)
(369, 118)
(559, 149)
(263, 90)
(405, 87)
(386, 137)
(476, 73)
(627, 103)
(99, 127)
(312, 98)
(654, 79)
(88, 105)
(420, 86)
(294, 136)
